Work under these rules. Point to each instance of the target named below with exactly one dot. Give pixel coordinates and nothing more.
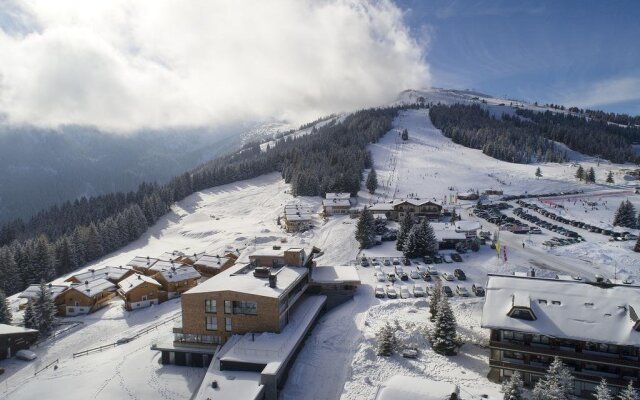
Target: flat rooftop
(239, 278)
(332, 274)
(400, 387)
(576, 310)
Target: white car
(418, 291)
(380, 277)
(415, 274)
(421, 268)
(379, 292)
(447, 258)
(448, 277)
(462, 291)
(404, 292)
(377, 268)
(391, 292)
(26, 355)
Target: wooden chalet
(87, 297)
(139, 291)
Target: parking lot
(401, 278)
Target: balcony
(565, 353)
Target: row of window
(212, 323)
(191, 338)
(628, 351)
(232, 307)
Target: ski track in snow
(337, 360)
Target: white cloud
(606, 92)
(127, 64)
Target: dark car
(446, 290)
(458, 273)
(406, 261)
(427, 260)
(456, 257)
(426, 276)
(477, 290)
(438, 259)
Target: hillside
(339, 352)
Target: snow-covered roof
(329, 274)
(332, 196)
(336, 203)
(400, 387)
(239, 278)
(171, 255)
(114, 273)
(93, 287)
(273, 349)
(180, 274)
(10, 329)
(264, 251)
(211, 261)
(34, 290)
(162, 265)
(142, 262)
(446, 231)
(298, 217)
(564, 309)
(467, 226)
(391, 205)
(134, 281)
(381, 207)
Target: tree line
(508, 138)
(63, 238)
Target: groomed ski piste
(339, 358)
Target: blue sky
(584, 53)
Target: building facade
(592, 327)
(139, 291)
(417, 208)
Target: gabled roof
(336, 203)
(134, 281)
(93, 287)
(239, 278)
(180, 274)
(579, 310)
(34, 290)
(113, 273)
(162, 265)
(11, 329)
(142, 262)
(211, 261)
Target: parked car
(421, 268)
(446, 290)
(418, 291)
(404, 292)
(458, 273)
(414, 274)
(364, 263)
(535, 231)
(437, 259)
(477, 290)
(391, 277)
(391, 292)
(379, 292)
(403, 276)
(386, 262)
(396, 261)
(456, 257)
(425, 276)
(448, 277)
(462, 291)
(406, 261)
(427, 260)
(447, 258)
(380, 277)
(410, 353)
(433, 271)
(26, 355)
(377, 268)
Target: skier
(523, 245)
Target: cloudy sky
(129, 64)
(123, 65)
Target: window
(144, 298)
(212, 323)
(228, 307)
(227, 324)
(210, 306)
(245, 307)
(556, 302)
(542, 301)
(522, 313)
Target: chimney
(599, 278)
(139, 277)
(273, 281)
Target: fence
(45, 367)
(127, 339)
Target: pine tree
(629, 393)
(625, 216)
(603, 392)
(591, 176)
(365, 229)
(610, 177)
(405, 228)
(5, 310)
(431, 245)
(636, 248)
(512, 388)
(411, 244)
(385, 339)
(454, 215)
(444, 337)
(44, 310)
(42, 260)
(10, 280)
(538, 173)
(29, 316)
(580, 173)
(557, 384)
(434, 299)
(372, 181)
(405, 134)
